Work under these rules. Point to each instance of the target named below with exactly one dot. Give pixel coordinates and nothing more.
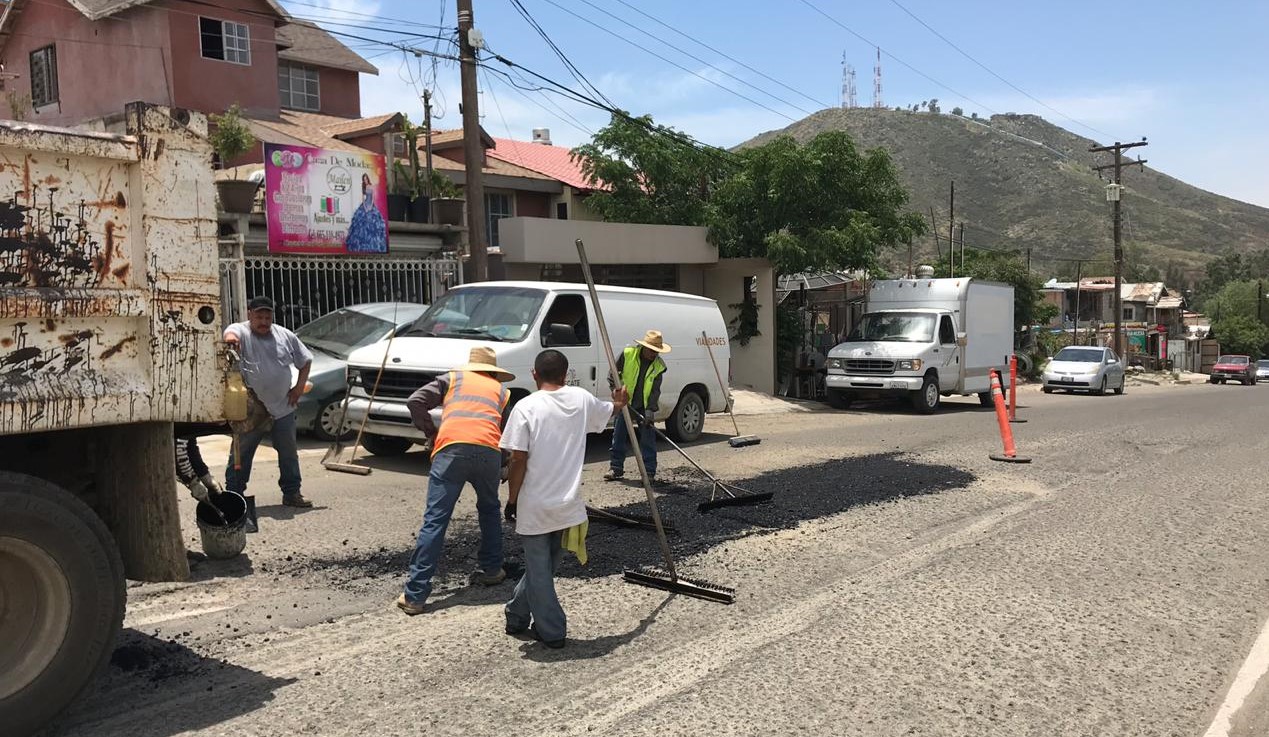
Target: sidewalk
(746, 402)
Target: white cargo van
(520, 319)
(925, 338)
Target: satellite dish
(256, 176)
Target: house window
(298, 87)
(497, 207)
(561, 211)
(1129, 314)
(43, 77)
(225, 40)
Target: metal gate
(306, 287)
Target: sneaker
(408, 606)
(296, 500)
(490, 579)
(614, 475)
(514, 630)
(553, 644)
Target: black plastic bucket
(223, 538)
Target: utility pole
(934, 231)
(1075, 325)
(427, 144)
(1112, 193)
(1028, 260)
(961, 234)
(951, 228)
(473, 149)
(1260, 299)
(910, 272)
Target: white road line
(1254, 667)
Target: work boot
(296, 500)
(252, 524)
(614, 475)
(490, 579)
(408, 606)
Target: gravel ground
(899, 583)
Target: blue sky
(1190, 76)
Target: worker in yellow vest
(641, 369)
(464, 450)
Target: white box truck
(109, 341)
(925, 338)
(520, 319)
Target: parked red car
(1233, 368)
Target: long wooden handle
(625, 411)
(721, 383)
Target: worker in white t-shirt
(546, 434)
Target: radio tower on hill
(848, 84)
(876, 81)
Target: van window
(947, 333)
(481, 313)
(570, 310)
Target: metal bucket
(223, 539)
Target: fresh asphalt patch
(801, 494)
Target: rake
(721, 494)
(667, 579)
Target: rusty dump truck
(109, 344)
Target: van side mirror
(962, 340)
(558, 334)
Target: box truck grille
(874, 366)
(395, 384)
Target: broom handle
(625, 411)
(373, 392)
(721, 383)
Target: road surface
(900, 584)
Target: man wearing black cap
(268, 352)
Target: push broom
(721, 494)
(737, 441)
(331, 461)
(667, 579)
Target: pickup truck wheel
(984, 398)
(838, 399)
(324, 427)
(385, 445)
(688, 419)
(61, 600)
(926, 399)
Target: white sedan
(1084, 368)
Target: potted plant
(399, 196)
(447, 201)
(232, 138)
(411, 202)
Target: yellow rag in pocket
(574, 541)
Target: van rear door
(569, 327)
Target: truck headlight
(353, 376)
(833, 363)
(913, 365)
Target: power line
(675, 64)
(1018, 89)
(696, 58)
(732, 59)
(568, 63)
(859, 36)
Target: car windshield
(1235, 360)
(894, 327)
(481, 313)
(1079, 355)
(341, 332)
(1262, 364)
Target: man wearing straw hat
(641, 370)
(464, 450)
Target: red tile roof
(553, 161)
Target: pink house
(66, 61)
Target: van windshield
(894, 327)
(481, 313)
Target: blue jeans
(647, 446)
(453, 467)
(534, 601)
(282, 437)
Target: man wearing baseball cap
(641, 370)
(268, 353)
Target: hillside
(1023, 182)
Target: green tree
(958, 112)
(934, 105)
(1237, 311)
(819, 206)
(649, 173)
(1029, 305)
(1241, 334)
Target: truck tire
(687, 422)
(838, 399)
(385, 445)
(61, 600)
(984, 398)
(926, 399)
